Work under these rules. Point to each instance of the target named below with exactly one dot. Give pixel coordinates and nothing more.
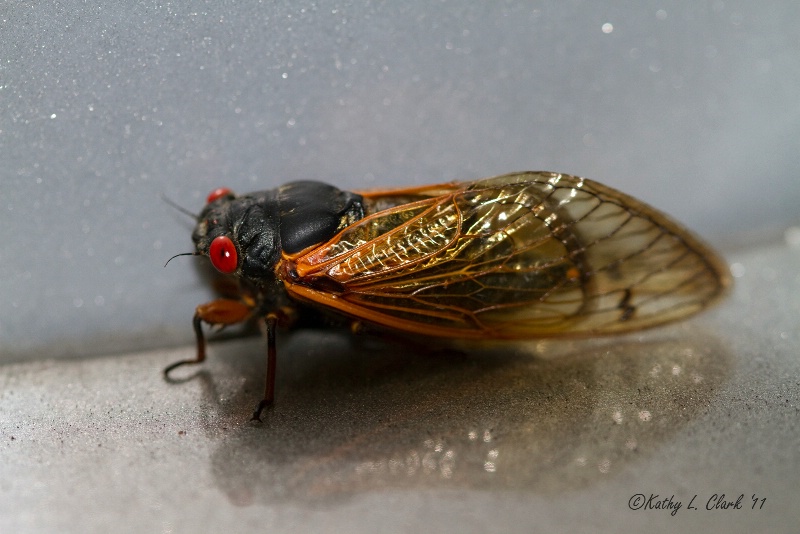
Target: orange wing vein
(516, 256)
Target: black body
(288, 219)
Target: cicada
(519, 256)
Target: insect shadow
(543, 416)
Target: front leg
(220, 312)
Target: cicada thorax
(313, 212)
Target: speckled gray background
(105, 107)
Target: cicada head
(239, 234)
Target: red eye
(218, 193)
(222, 253)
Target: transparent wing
(517, 256)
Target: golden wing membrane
(516, 256)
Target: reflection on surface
(544, 417)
